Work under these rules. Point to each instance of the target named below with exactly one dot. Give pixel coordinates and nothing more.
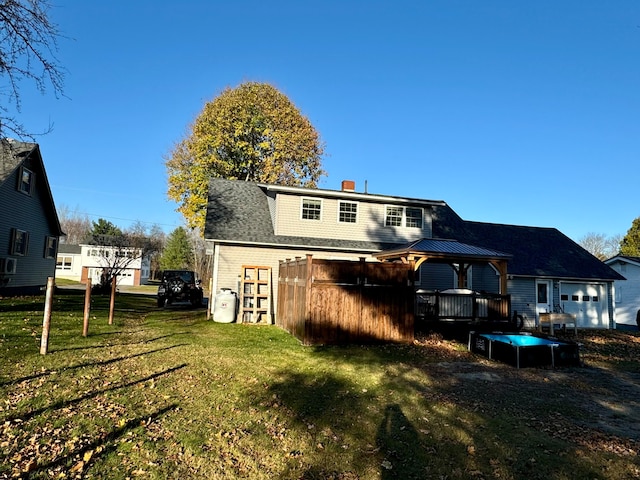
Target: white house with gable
(627, 292)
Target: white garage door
(587, 302)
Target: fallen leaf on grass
(87, 455)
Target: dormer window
(348, 212)
(25, 182)
(311, 209)
(410, 217)
(413, 217)
(394, 216)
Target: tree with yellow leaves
(252, 133)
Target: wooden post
(87, 309)
(210, 305)
(112, 304)
(46, 321)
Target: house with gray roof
(29, 225)
(250, 223)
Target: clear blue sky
(511, 111)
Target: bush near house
(168, 394)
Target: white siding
(370, 225)
(627, 293)
(73, 273)
(230, 260)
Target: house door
(543, 297)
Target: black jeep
(179, 286)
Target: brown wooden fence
(341, 301)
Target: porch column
(501, 266)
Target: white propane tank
(224, 307)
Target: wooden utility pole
(113, 299)
(87, 309)
(46, 321)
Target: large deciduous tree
(630, 244)
(28, 43)
(601, 246)
(74, 224)
(252, 132)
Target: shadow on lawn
(67, 403)
(336, 414)
(420, 423)
(107, 442)
(91, 364)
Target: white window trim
(63, 265)
(357, 204)
(302, 209)
(421, 210)
(403, 219)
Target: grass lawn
(167, 394)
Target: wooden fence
(341, 301)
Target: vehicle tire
(160, 302)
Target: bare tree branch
(28, 47)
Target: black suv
(179, 286)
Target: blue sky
(511, 111)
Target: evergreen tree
(177, 253)
(630, 244)
(105, 227)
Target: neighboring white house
(81, 262)
(69, 262)
(627, 292)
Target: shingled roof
(12, 154)
(239, 212)
(540, 252)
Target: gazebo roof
(457, 254)
(444, 249)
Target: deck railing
(434, 306)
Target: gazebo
(460, 256)
(460, 305)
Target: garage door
(587, 302)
